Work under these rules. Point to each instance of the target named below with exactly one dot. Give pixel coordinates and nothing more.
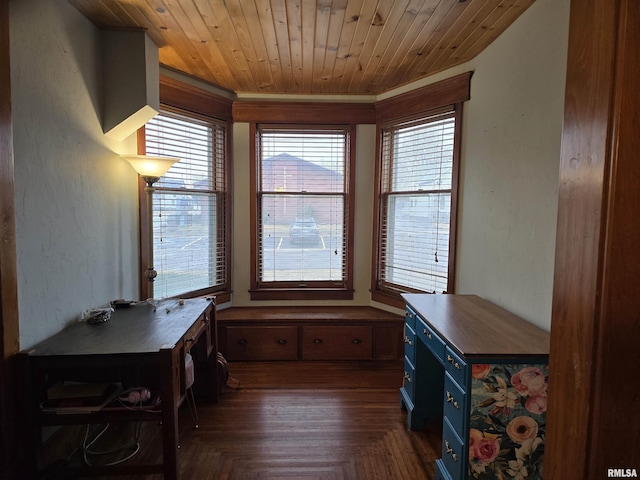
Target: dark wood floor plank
(303, 421)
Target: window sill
(388, 298)
(301, 294)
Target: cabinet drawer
(410, 318)
(456, 367)
(408, 382)
(430, 339)
(262, 343)
(452, 450)
(197, 329)
(337, 342)
(409, 343)
(441, 471)
(455, 404)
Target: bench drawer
(262, 343)
(337, 342)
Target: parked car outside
(304, 230)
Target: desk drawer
(430, 339)
(408, 382)
(197, 329)
(410, 318)
(456, 367)
(337, 342)
(409, 343)
(262, 343)
(452, 450)
(441, 471)
(455, 404)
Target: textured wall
(76, 200)
(511, 152)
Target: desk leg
(170, 365)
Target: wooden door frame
(9, 333)
(592, 423)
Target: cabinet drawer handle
(451, 360)
(317, 341)
(428, 334)
(281, 341)
(452, 401)
(407, 340)
(450, 451)
(407, 377)
(356, 341)
(242, 341)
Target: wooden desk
(481, 372)
(138, 346)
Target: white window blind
(417, 165)
(188, 204)
(301, 206)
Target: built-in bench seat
(310, 333)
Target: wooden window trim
(416, 104)
(191, 100)
(279, 290)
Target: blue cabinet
(482, 372)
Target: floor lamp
(150, 169)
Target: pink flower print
(529, 381)
(536, 404)
(483, 447)
(474, 437)
(486, 450)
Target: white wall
(76, 200)
(511, 156)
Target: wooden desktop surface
(141, 328)
(476, 327)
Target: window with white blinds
(189, 204)
(302, 207)
(415, 204)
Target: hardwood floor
(301, 421)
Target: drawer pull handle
(428, 334)
(407, 377)
(451, 360)
(281, 341)
(407, 340)
(450, 451)
(356, 341)
(317, 341)
(452, 401)
(242, 341)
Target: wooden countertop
(140, 328)
(476, 327)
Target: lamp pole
(150, 272)
(150, 169)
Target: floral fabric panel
(508, 420)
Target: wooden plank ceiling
(346, 47)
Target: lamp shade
(150, 166)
